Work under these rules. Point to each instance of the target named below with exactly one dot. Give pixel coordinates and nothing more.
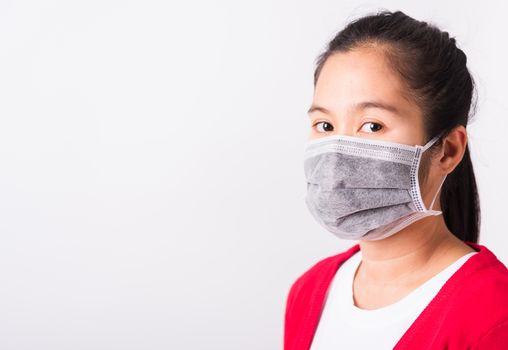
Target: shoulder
(316, 276)
(479, 301)
(496, 337)
(306, 296)
(482, 276)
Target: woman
(387, 163)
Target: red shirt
(470, 311)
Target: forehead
(360, 74)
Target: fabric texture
(470, 311)
(343, 325)
(365, 189)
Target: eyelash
(315, 124)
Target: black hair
(434, 70)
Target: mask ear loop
(438, 189)
(430, 143)
(424, 148)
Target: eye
(371, 127)
(326, 127)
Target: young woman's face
(357, 94)
(349, 97)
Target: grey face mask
(364, 189)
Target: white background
(151, 173)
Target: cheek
(406, 133)
(426, 176)
(313, 134)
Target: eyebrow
(359, 106)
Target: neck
(409, 252)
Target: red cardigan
(470, 311)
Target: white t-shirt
(345, 326)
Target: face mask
(364, 189)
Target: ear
(453, 149)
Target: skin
(392, 267)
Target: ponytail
(460, 202)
